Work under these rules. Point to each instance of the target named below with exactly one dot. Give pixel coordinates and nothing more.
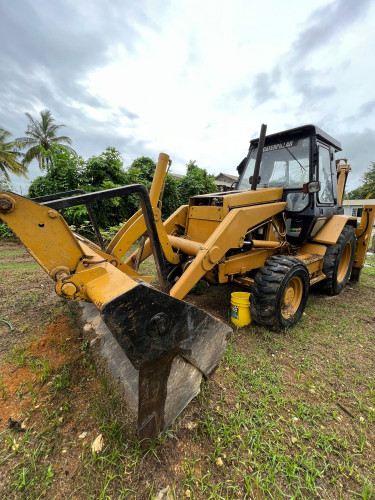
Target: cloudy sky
(194, 79)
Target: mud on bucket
(240, 312)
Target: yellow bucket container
(240, 312)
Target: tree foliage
(10, 153)
(107, 167)
(40, 136)
(141, 171)
(64, 172)
(106, 172)
(196, 181)
(171, 198)
(367, 188)
(5, 185)
(67, 171)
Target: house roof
(226, 177)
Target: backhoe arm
(363, 234)
(343, 170)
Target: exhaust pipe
(262, 138)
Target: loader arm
(135, 227)
(176, 221)
(229, 234)
(160, 335)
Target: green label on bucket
(234, 311)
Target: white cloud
(197, 79)
(178, 80)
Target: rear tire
(338, 262)
(279, 293)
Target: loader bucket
(171, 343)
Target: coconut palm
(41, 133)
(9, 153)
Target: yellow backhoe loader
(279, 232)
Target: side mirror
(311, 187)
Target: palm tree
(41, 133)
(9, 152)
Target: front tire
(338, 262)
(279, 293)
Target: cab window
(325, 194)
(284, 164)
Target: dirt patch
(11, 405)
(20, 379)
(57, 343)
(27, 297)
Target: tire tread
(264, 291)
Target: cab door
(326, 198)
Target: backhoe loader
(280, 231)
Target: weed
(42, 368)
(85, 346)
(368, 491)
(361, 440)
(61, 381)
(32, 476)
(309, 412)
(32, 391)
(18, 356)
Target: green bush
(67, 171)
(196, 181)
(64, 172)
(5, 232)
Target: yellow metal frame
(229, 234)
(201, 233)
(330, 232)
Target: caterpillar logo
(280, 145)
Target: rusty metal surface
(152, 329)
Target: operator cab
(301, 161)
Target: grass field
(286, 415)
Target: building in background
(225, 182)
(353, 208)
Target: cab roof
(303, 131)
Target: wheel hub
(288, 297)
(292, 297)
